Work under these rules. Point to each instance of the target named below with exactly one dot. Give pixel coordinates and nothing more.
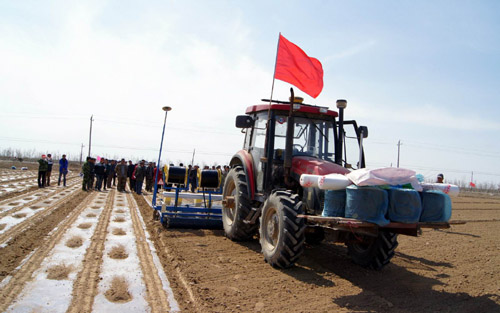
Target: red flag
(472, 184)
(295, 67)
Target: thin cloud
(425, 115)
(352, 51)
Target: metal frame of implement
(370, 229)
(177, 215)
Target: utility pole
(81, 154)
(90, 134)
(399, 149)
(471, 179)
(192, 160)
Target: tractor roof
(304, 108)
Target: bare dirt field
(62, 249)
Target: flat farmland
(65, 250)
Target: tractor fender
(245, 159)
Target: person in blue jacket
(63, 170)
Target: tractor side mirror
(364, 131)
(244, 121)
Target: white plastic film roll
(308, 180)
(450, 190)
(333, 182)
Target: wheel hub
(272, 228)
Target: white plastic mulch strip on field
(128, 268)
(7, 187)
(9, 204)
(28, 212)
(50, 295)
(7, 176)
(174, 306)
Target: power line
(118, 147)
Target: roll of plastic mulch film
(334, 203)
(450, 190)
(405, 205)
(436, 206)
(368, 204)
(308, 180)
(333, 182)
(210, 178)
(177, 175)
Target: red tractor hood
(309, 165)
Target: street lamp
(166, 109)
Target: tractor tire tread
(292, 244)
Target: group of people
(102, 175)
(98, 176)
(45, 164)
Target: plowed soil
(454, 270)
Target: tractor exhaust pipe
(341, 105)
(287, 162)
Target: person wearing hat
(43, 166)
(440, 178)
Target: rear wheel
(237, 206)
(374, 252)
(282, 233)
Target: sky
(425, 73)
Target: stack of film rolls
(209, 178)
(340, 182)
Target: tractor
(262, 195)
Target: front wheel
(237, 206)
(374, 252)
(282, 232)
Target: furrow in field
(32, 215)
(85, 285)
(17, 203)
(67, 216)
(157, 295)
(58, 271)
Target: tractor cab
(312, 147)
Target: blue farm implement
(201, 212)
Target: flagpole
(274, 74)
(267, 152)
